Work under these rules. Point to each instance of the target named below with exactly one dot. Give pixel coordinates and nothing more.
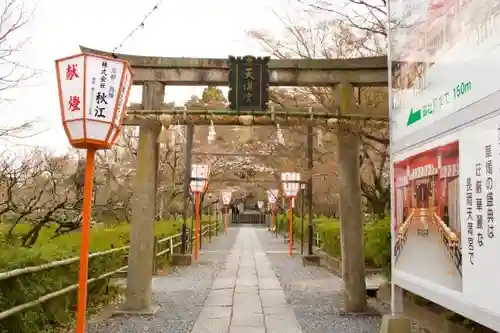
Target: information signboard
(445, 148)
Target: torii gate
(154, 73)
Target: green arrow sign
(414, 116)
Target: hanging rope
(138, 27)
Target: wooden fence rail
(174, 242)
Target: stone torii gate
(154, 73)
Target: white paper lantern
(291, 183)
(93, 94)
(260, 204)
(200, 172)
(272, 196)
(226, 197)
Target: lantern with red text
(93, 93)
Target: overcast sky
(187, 28)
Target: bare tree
(14, 17)
(39, 190)
(369, 16)
(338, 39)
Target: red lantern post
(93, 94)
(198, 184)
(291, 186)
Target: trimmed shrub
(60, 310)
(376, 237)
(376, 240)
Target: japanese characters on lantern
(93, 92)
(200, 174)
(226, 197)
(272, 195)
(291, 183)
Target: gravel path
(314, 292)
(181, 294)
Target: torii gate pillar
(351, 219)
(140, 269)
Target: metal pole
(197, 227)
(210, 223)
(302, 202)
(310, 165)
(200, 219)
(290, 231)
(187, 176)
(275, 221)
(226, 209)
(217, 219)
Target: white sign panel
(446, 176)
(93, 91)
(226, 197)
(479, 175)
(260, 204)
(272, 196)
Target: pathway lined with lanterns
(244, 282)
(247, 296)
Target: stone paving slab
(266, 283)
(219, 325)
(224, 283)
(214, 312)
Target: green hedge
(376, 239)
(60, 311)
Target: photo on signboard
(427, 216)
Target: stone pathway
(246, 296)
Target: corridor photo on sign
(427, 223)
